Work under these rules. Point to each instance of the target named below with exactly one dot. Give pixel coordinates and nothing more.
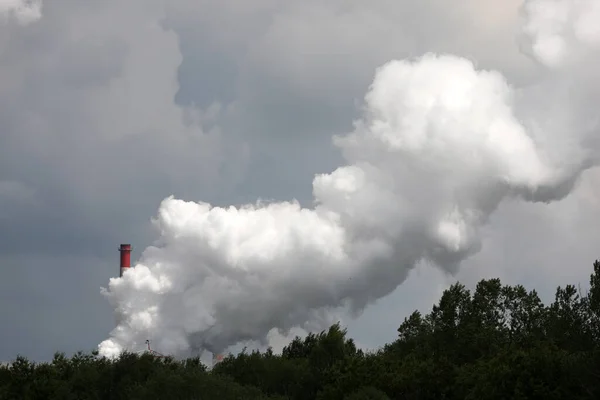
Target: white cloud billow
(439, 146)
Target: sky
(107, 108)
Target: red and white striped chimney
(125, 251)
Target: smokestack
(125, 250)
(216, 358)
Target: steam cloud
(439, 146)
(24, 11)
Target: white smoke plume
(24, 11)
(439, 146)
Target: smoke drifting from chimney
(439, 146)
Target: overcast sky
(107, 107)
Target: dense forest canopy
(497, 342)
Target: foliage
(499, 342)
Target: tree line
(496, 342)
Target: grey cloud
(299, 71)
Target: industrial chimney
(217, 358)
(125, 250)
